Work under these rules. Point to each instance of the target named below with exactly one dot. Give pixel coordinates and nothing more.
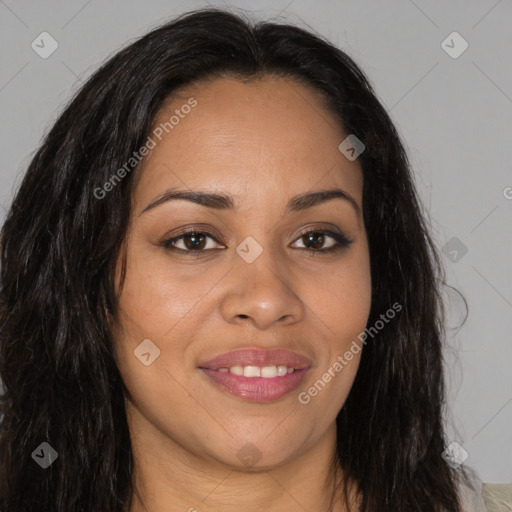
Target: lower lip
(257, 389)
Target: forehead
(272, 134)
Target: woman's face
(256, 283)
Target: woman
(219, 291)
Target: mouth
(257, 375)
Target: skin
(262, 143)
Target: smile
(267, 372)
(257, 375)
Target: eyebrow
(225, 202)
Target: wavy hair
(60, 243)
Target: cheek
(155, 296)
(161, 399)
(160, 304)
(158, 312)
(342, 298)
(342, 301)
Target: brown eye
(314, 241)
(192, 241)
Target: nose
(261, 292)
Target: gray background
(454, 114)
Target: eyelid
(197, 229)
(167, 243)
(328, 231)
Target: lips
(219, 371)
(255, 357)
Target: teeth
(236, 370)
(267, 372)
(252, 371)
(282, 370)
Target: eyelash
(341, 242)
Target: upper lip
(257, 357)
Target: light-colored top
(497, 497)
